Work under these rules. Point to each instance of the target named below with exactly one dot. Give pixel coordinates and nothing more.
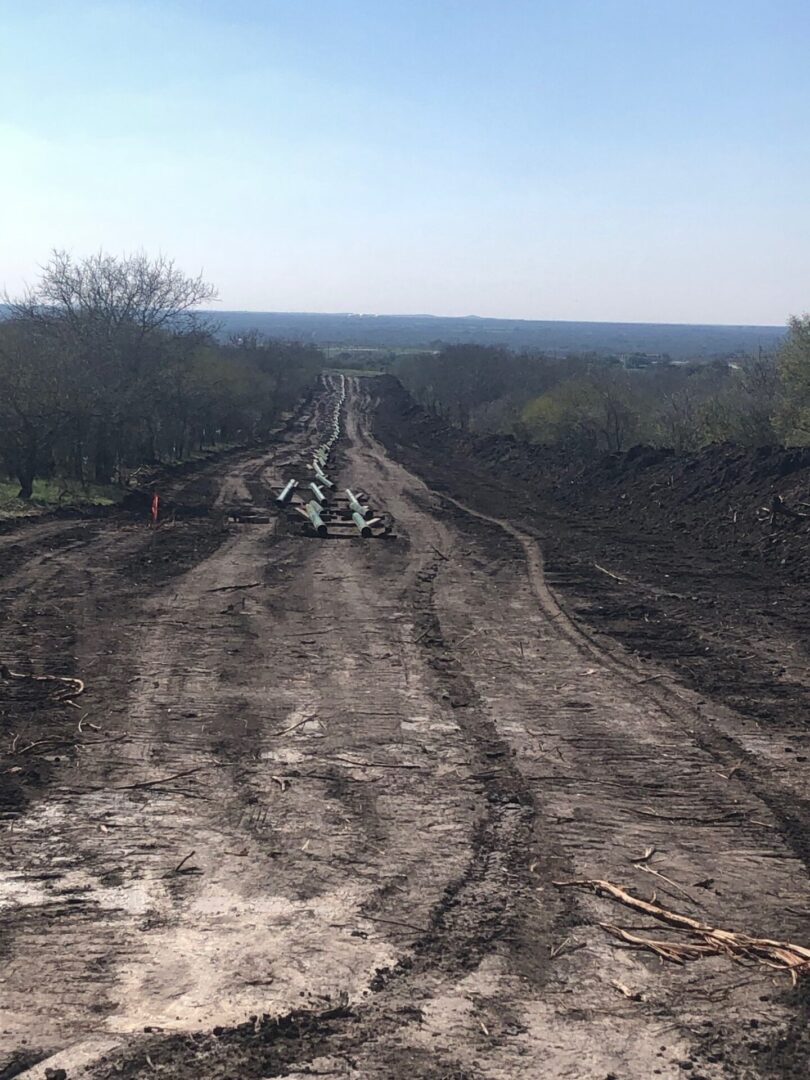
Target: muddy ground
(308, 815)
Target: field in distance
(680, 341)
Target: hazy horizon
(474, 315)
(546, 336)
(600, 161)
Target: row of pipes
(319, 461)
(362, 515)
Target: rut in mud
(323, 789)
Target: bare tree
(127, 323)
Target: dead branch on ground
(179, 868)
(73, 687)
(669, 881)
(160, 779)
(711, 940)
(231, 588)
(616, 577)
(370, 764)
(293, 727)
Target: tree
(794, 368)
(33, 400)
(127, 325)
(598, 411)
(109, 364)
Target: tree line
(591, 404)
(107, 364)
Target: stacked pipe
(321, 455)
(320, 458)
(287, 493)
(357, 507)
(319, 494)
(359, 514)
(314, 515)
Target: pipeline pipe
(357, 507)
(319, 495)
(313, 513)
(286, 494)
(322, 478)
(362, 527)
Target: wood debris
(181, 867)
(71, 687)
(233, 588)
(708, 940)
(610, 574)
(648, 854)
(631, 995)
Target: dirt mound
(754, 503)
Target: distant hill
(680, 341)
(425, 331)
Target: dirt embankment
(721, 498)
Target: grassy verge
(51, 494)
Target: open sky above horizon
(615, 160)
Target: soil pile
(755, 504)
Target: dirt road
(308, 815)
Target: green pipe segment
(319, 495)
(322, 477)
(286, 494)
(364, 512)
(362, 527)
(313, 513)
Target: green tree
(599, 411)
(794, 368)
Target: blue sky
(614, 159)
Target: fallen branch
(733, 815)
(332, 779)
(49, 742)
(369, 764)
(231, 588)
(562, 947)
(616, 577)
(676, 951)
(160, 779)
(74, 687)
(712, 940)
(669, 881)
(631, 995)
(182, 862)
(293, 727)
(648, 854)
